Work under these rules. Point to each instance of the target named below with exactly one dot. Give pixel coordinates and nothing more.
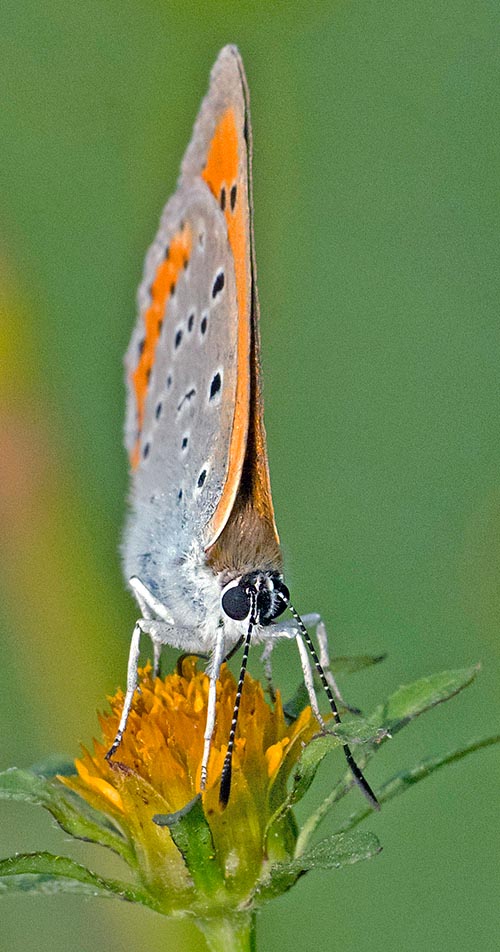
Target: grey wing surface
(189, 407)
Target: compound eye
(273, 603)
(279, 602)
(285, 595)
(236, 602)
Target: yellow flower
(188, 857)
(157, 771)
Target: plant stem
(236, 934)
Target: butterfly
(201, 552)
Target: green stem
(236, 934)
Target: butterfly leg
(324, 657)
(157, 646)
(213, 673)
(314, 620)
(284, 629)
(268, 668)
(133, 659)
(306, 648)
(309, 680)
(151, 606)
(265, 659)
(139, 590)
(160, 634)
(289, 630)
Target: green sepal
(72, 813)
(333, 852)
(46, 873)
(192, 836)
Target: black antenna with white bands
(225, 781)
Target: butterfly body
(201, 551)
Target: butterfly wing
(219, 154)
(192, 366)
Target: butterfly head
(258, 596)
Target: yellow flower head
(157, 771)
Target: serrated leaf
(333, 852)
(73, 814)
(46, 873)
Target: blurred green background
(376, 212)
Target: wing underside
(194, 428)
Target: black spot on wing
(218, 284)
(215, 385)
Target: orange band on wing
(162, 288)
(221, 175)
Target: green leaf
(402, 707)
(406, 779)
(339, 850)
(334, 852)
(359, 731)
(411, 700)
(73, 814)
(193, 838)
(355, 663)
(53, 765)
(46, 873)
(308, 763)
